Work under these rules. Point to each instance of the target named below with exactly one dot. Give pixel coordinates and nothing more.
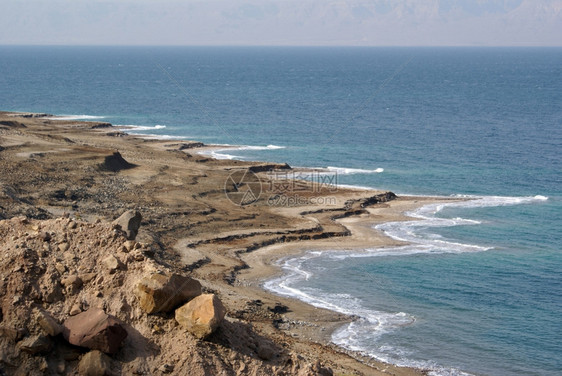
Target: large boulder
(95, 363)
(96, 330)
(129, 222)
(202, 315)
(162, 293)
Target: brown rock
(202, 315)
(36, 344)
(72, 280)
(72, 283)
(48, 323)
(265, 352)
(94, 363)
(129, 222)
(12, 333)
(113, 263)
(63, 247)
(129, 245)
(75, 309)
(87, 277)
(60, 267)
(95, 330)
(45, 236)
(163, 293)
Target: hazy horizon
(282, 22)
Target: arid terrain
(63, 184)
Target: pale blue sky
(282, 22)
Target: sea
(478, 288)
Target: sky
(282, 22)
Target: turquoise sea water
(479, 290)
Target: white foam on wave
(490, 201)
(158, 136)
(356, 187)
(353, 171)
(133, 127)
(220, 153)
(422, 241)
(268, 147)
(76, 117)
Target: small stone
(156, 329)
(63, 247)
(43, 365)
(60, 368)
(45, 236)
(72, 225)
(12, 333)
(68, 352)
(60, 268)
(129, 245)
(94, 363)
(72, 281)
(265, 352)
(75, 309)
(166, 368)
(113, 263)
(48, 323)
(87, 277)
(69, 256)
(35, 344)
(137, 256)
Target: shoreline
(243, 259)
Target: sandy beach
(200, 220)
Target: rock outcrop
(96, 330)
(162, 293)
(115, 163)
(202, 315)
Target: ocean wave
(268, 147)
(219, 153)
(158, 136)
(379, 321)
(415, 232)
(357, 187)
(352, 171)
(361, 334)
(132, 127)
(77, 117)
(491, 201)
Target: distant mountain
(284, 22)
